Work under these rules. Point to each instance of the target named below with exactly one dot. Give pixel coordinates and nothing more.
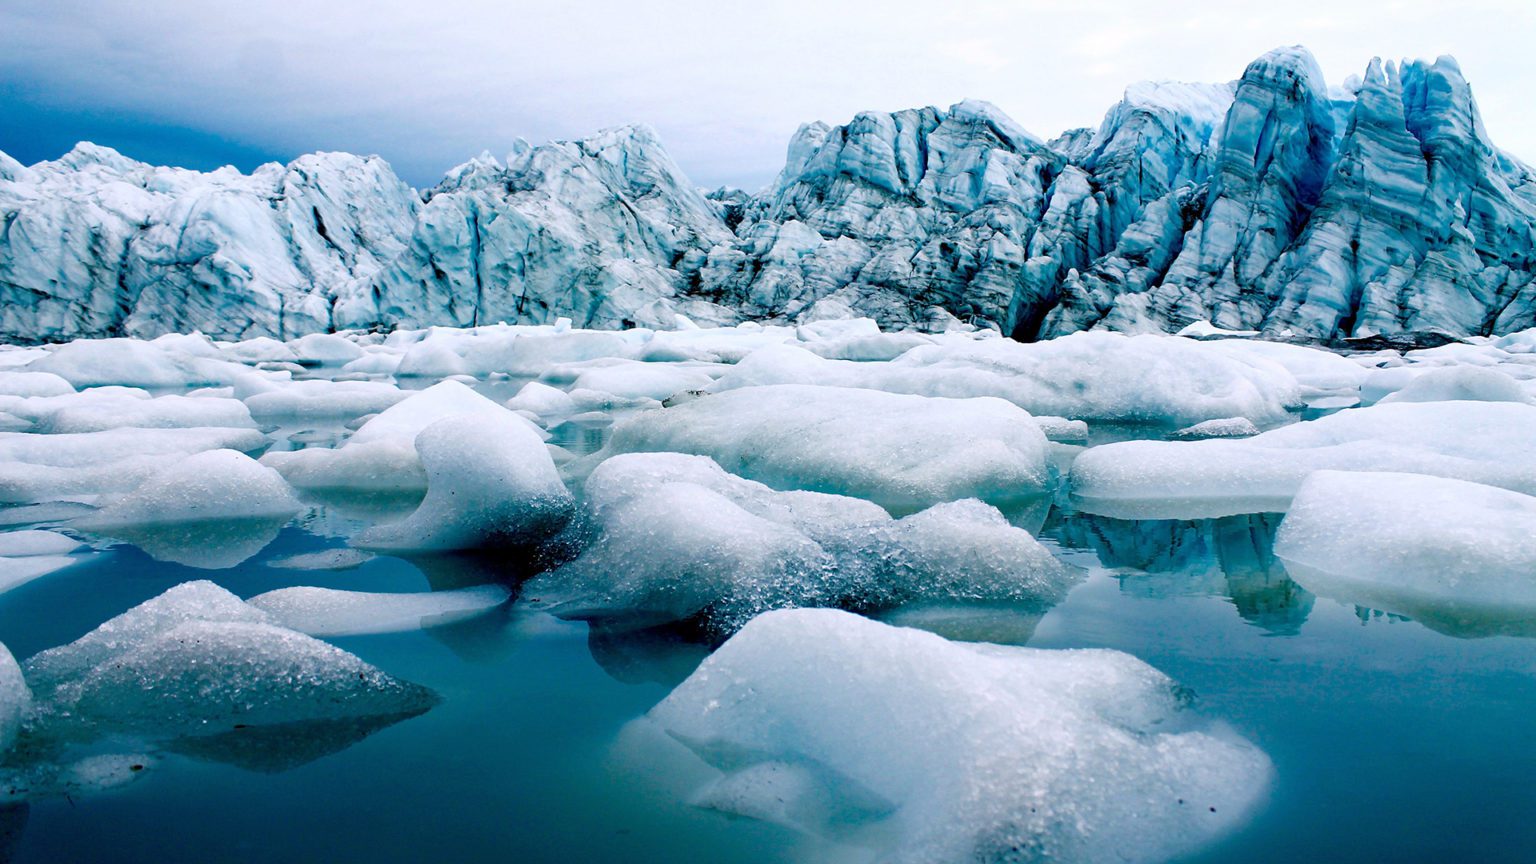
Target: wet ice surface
(1389, 739)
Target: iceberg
(1481, 442)
(903, 452)
(722, 548)
(490, 483)
(333, 612)
(1457, 556)
(819, 718)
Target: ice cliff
(1272, 203)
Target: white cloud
(429, 84)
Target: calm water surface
(1391, 741)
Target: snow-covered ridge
(1272, 203)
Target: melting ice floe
(1484, 442)
(195, 661)
(727, 548)
(1459, 556)
(826, 721)
(901, 451)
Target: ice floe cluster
(809, 499)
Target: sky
(427, 85)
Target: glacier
(1375, 210)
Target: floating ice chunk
(198, 660)
(37, 468)
(1203, 329)
(1460, 556)
(1087, 755)
(320, 398)
(727, 548)
(543, 400)
(324, 349)
(205, 677)
(214, 485)
(26, 555)
(643, 380)
(430, 358)
(1063, 430)
(598, 401)
(331, 612)
(900, 451)
(1318, 372)
(329, 559)
(28, 384)
(25, 544)
(381, 454)
(1087, 376)
(379, 466)
(211, 510)
(15, 572)
(262, 349)
(1484, 442)
(98, 362)
(406, 419)
(1466, 383)
(15, 699)
(490, 483)
(72, 779)
(189, 601)
(1226, 427)
(193, 344)
(164, 412)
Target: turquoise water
(1391, 741)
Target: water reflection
(1231, 555)
(1460, 617)
(283, 747)
(652, 655)
(207, 545)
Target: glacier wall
(1272, 203)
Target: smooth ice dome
(902, 452)
(1459, 556)
(820, 716)
(214, 485)
(1461, 383)
(722, 548)
(1483, 442)
(198, 660)
(490, 483)
(334, 612)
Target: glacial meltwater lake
(1341, 732)
(1391, 741)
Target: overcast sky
(430, 84)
